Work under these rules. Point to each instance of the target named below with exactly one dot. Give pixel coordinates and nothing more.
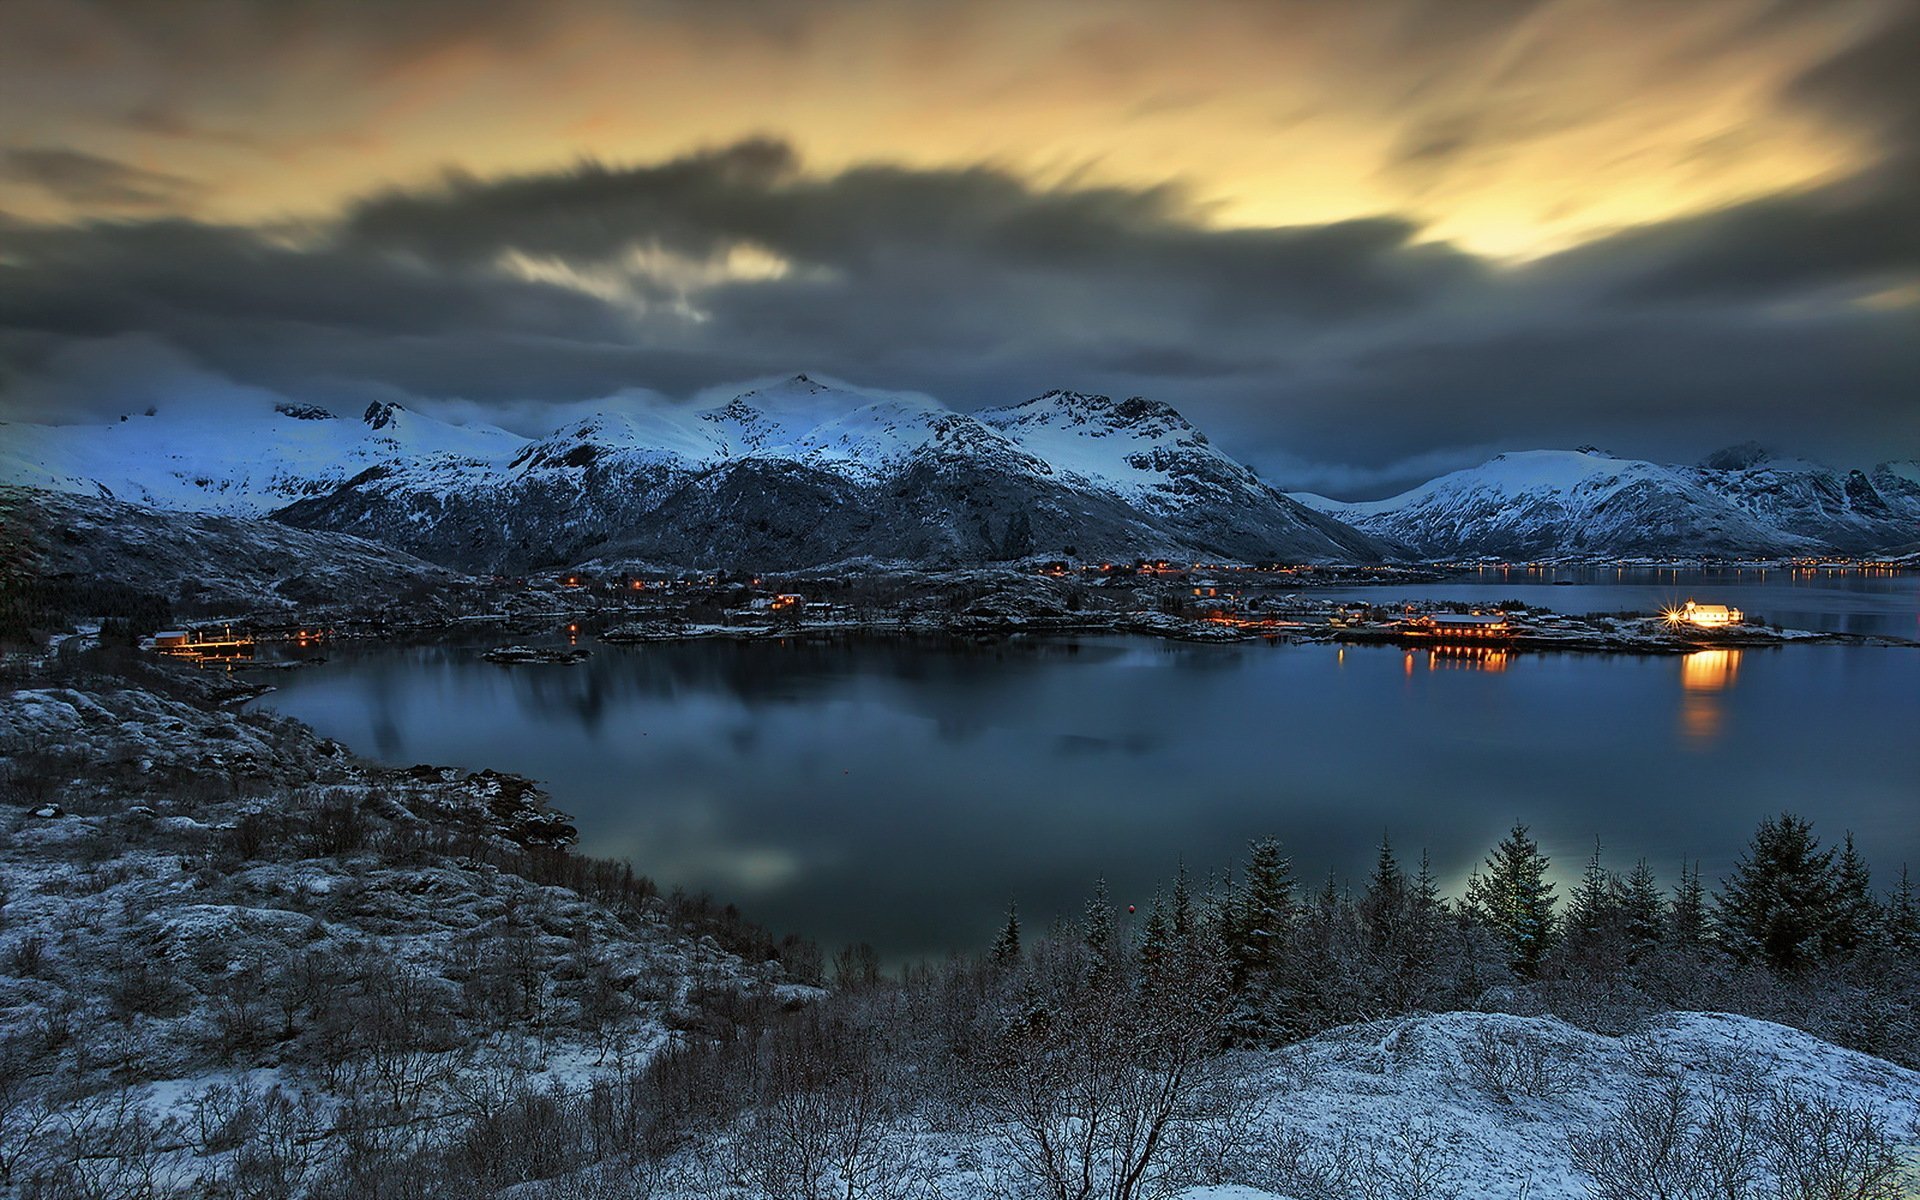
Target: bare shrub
(1092, 1072)
(28, 957)
(534, 1135)
(1818, 1149)
(1226, 1143)
(107, 1145)
(1413, 1163)
(337, 827)
(282, 1148)
(1739, 1143)
(1510, 1062)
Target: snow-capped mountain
(796, 473)
(244, 462)
(1540, 503)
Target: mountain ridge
(1739, 501)
(797, 472)
(803, 471)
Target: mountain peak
(1135, 414)
(1737, 458)
(379, 416)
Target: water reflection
(901, 793)
(1468, 658)
(1709, 670)
(1704, 674)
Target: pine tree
(1006, 948)
(1426, 929)
(1778, 905)
(1590, 909)
(1688, 922)
(1186, 920)
(1856, 916)
(1426, 907)
(1156, 939)
(1902, 926)
(1515, 900)
(1642, 910)
(1265, 912)
(1383, 909)
(1098, 931)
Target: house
(1468, 627)
(170, 639)
(1706, 616)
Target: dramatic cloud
(1500, 230)
(89, 181)
(1508, 126)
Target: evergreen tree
(1425, 929)
(1098, 930)
(1902, 926)
(1778, 905)
(1331, 893)
(1006, 948)
(1186, 919)
(1428, 911)
(1856, 916)
(1688, 922)
(1642, 910)
(1383, 909)
(1590, 910)
(1515, 900)
(1157, 953)
(1264, 914)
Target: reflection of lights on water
(1468, 658)
(1709, 670)
(1460, 658)
(1703, 674)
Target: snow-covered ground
(1415, 1087)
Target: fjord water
(900, 793)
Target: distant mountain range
(1741, 501)
(805, 473)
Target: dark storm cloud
(88, 179)
(1856, 231)
(914, 229)
(1288, 344)
(1872, 82)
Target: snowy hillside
(1555, 502)
(209, 563)
(245, 462)
(1380, 1105)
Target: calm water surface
(901, 793)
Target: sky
(1359, 243)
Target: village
(550, 616)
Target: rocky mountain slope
(795, 474)
(1741, 501)
(206, 563)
